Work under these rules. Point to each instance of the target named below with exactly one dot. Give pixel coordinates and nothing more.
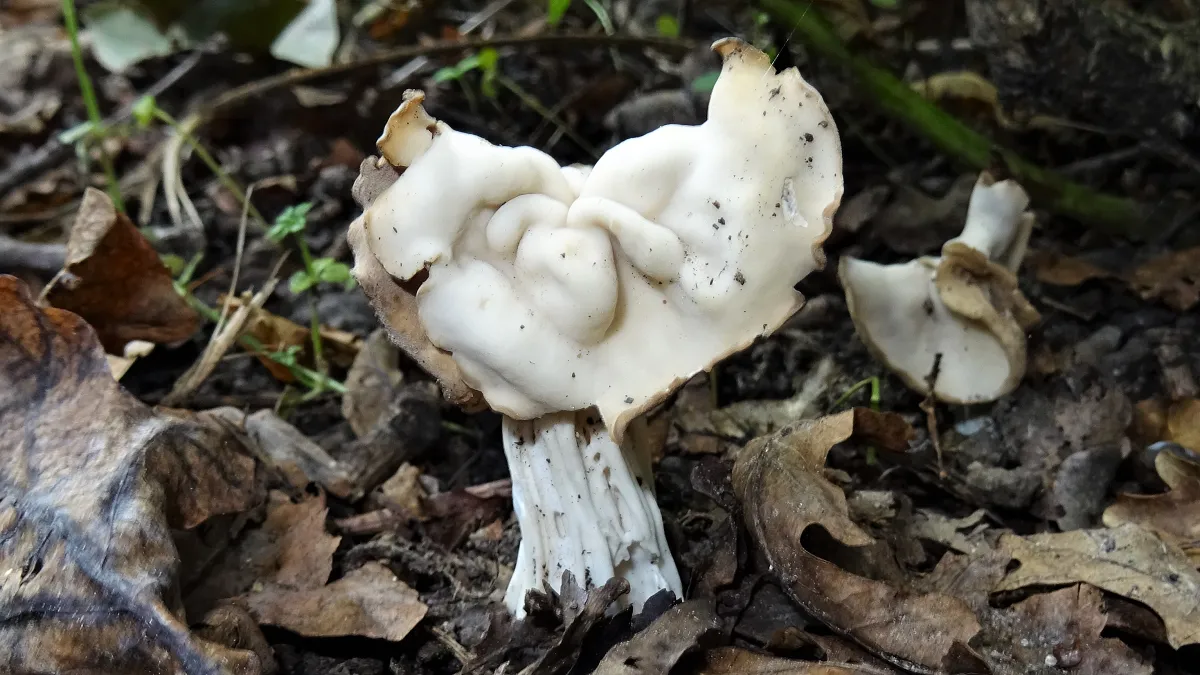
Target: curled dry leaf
(371, 383)
(115, 280)
(1063, 629)
(655, 650)
(737, 661)
(291, 549)
(923, 632)
(1170, 278)
(369, 602)
(1126, 560)
(1174, 515)
(93, 482)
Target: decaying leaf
(92, 482)
(744, 420)
(369, 601)
(371, 383)
(278, 334)
(1062, 270)
(655, 650)
(1062, 629)
(737, 661)
(115, 280)
(290, 549)
(1170, 278)
(1127, 560)
(297, 456)
(1174, 515)
(924, 631)
(914, 223)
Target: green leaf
(300, 282)
(291, 221)
(488, 64)
(311, 38)
(602, 15)
(556, 10)
(886, 4)
(76, 133)
(122, 37)
(705, 83)
(173, 263)
(144, 110)
(667, 26)
(286, 356)
(451, 73)
(332, 271)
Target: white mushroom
(964, 306)
(573, 299)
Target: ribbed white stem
(584, 507)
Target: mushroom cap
(557, 289)
(962, 305)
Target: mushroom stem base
(586, 506)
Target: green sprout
(873, 401)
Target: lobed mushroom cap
(964, 305)
(559, 288)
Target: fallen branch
(1111, 214)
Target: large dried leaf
(780, 480)
(92, 481)
(369, 601)
(115, 280)
(655, 650)
(737, 661)
(1174, 515)
(1126, 560)
(1063, 629)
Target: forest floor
(335, 515)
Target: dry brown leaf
(371, 383)
(655, 650)
(290, 549)
(403, 493)
(963, 89)
(297, 456)
(915, 223)
(115, 280)
(1171, 278)
(93, 482)
(1057, 269)
(368, 602)
(1174, 515)
(926, 631)
(1062, 629)
(276, 333)
(1127, 560)
(738, 661)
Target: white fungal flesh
(899, 313)
(562, 288)
(584, 507)
(559, 289)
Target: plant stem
(314, 326)
(1111, 214)
(89, 99)
(311, 378)
(213, 165)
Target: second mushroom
(574, 299)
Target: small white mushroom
(963, 306)
(573, 299)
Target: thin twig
(929, 406)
